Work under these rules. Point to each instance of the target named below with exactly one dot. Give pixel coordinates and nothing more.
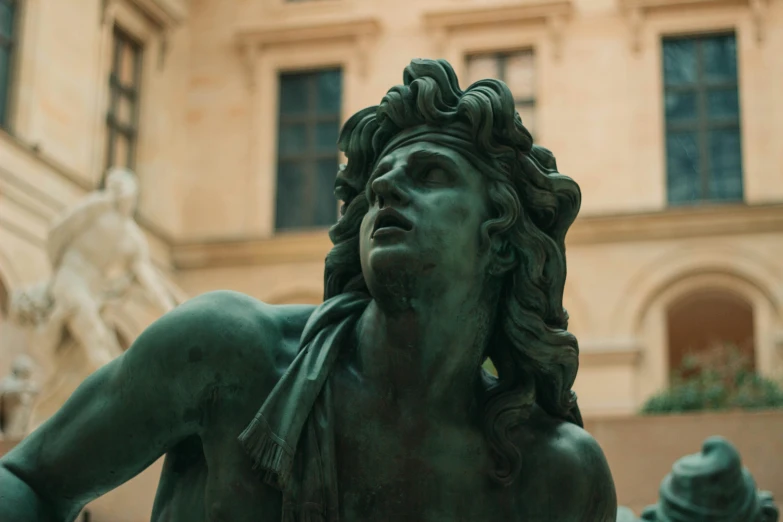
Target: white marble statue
(17, 394)
(98, 253)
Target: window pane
(127, 66)
(110, 133)
(326, 136)
(294, 97)
(528, 114)
(720, 58)
(324, 200)
(480, 67)
(5, 79)
(679, 61)
(329, 92)
(293, 138)
(683, 167)
(520, 75)
(723, 103)
(124, 113)
(306, 186)
(121, 150)
(291, 209)
(680, 106)
(725, 182)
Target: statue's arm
(71, 223)
(598, 496)
(119, 421)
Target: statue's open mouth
(390, 220)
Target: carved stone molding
(637, 11)
(165, 13)
(252, 40)
(678, 223)
(162, 15)
(610, 352)
(286, 248)
(717, 220)
(553, 13)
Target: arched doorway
(704, 319)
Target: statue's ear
(650, 514)
(769, 511)
(504, 256)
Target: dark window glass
(703, 138)
(123, 114)
(308, 129)
(8, 22)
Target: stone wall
(641, 450)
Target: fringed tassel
(269, 458)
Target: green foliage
(490, 367)
(719, 379)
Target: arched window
(702, 320)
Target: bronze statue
(711, 486)
(373, 406)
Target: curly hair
(532, 207)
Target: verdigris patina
(711, 486)
(373, 406)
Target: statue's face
(427, 204)
(125, 193)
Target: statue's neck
(425, 358)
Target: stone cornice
(677, 223)
(442, 23)
(681, 223)
(292, 33)
(250, 41)
(489, 15)
(285, 248)
(165, 13)
(637, 10)
(610, 351)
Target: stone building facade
(668, 113)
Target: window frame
(310, 156)
(702, 124)
(501, 57)
(117, 91)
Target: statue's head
(711, 486)
(122, 185)
(446, 185)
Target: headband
(456, 136)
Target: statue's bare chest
(112, 236)
(395, 466)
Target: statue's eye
(435, 175)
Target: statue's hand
(30, 306)
(118, 287)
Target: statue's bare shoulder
(234, 338)
(572, 464)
